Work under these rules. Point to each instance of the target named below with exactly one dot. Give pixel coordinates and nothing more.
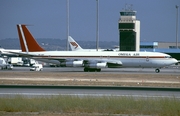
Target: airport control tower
(129, 30)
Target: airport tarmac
(168, 70)
(168, 77)
(45, 92)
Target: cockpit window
(168, 57)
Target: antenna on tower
(128, 7)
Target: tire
(157, 70)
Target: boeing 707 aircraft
(91, 61)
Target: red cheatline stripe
(99, 56)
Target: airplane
(91, 61)
(4, 65)
(76, 47)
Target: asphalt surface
(46, 92)
(175, 70)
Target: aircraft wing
(20, 54)
(83, 62)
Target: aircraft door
(147, 59)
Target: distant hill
(56, 44)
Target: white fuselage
(128, 59)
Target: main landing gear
(157, 70)
(92, 69)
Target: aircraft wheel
(92, 69)
(86, 69)
(157, 70)
(98, 70)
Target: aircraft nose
(175, 61)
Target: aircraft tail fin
(27, 41)
(73, 44)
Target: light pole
(67, 47)
(177, 27)
(97, 26)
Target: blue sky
(49, 18)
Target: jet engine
(96, 65)
(72, 64)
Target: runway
(82, 92)
(175, 70)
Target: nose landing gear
(157, 70)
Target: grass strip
(94, 105)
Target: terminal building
(129, 31)
(164, 47)
(161, 45)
